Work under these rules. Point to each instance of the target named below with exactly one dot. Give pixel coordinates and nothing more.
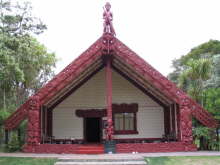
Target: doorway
(92, 130)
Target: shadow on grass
(157, 160)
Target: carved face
(107, 6)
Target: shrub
(13, 144)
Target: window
(125, 119)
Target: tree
(193, 78)
(198, 74)
(10, 71)
(16, 18)
(214, 81)
(25, 64)
(206, 50)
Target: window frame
(125, 108)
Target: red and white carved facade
(110, 54)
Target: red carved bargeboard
(19, 115)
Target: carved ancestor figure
(109, 130)
(108, 17)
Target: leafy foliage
(3, 115)
(208, 49)
(16, 18)
(201, 132)
(198, 74)
(192, 78)
(214, 81)
(212, 101)
(13, 144)
(25, 64)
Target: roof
(127, 63)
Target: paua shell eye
(104, 41)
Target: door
(92, 130)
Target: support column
(49, 122)
(171, 119)
(110, 129)
(33, 138)
(166, 120)
(185, 125)
(175, 121)
(45, 122)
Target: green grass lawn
(184, 160)
(26, 161)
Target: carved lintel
(91, 113)
(125, 108)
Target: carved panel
(33, 130)
(122, 108)
(91, 113)
(186, 124)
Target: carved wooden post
(33, 123)
(108, 41)
(109, 130)
(185, 125)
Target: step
(90, 148)
(103, 163)
(90, 152)
(100, 160)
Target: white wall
(150, 121)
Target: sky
(157, 30)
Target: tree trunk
(4, 100)
(217, 138)
(202, 143)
